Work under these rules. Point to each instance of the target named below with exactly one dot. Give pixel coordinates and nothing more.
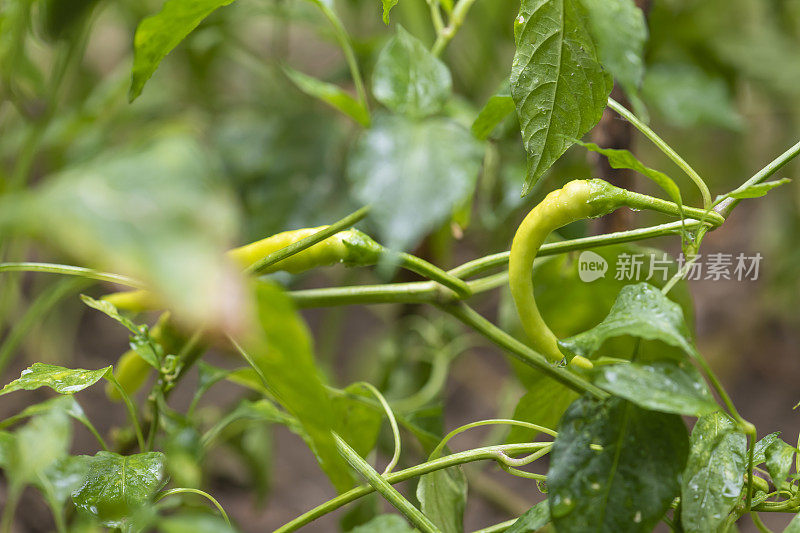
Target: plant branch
(70, 270)
(446, 34)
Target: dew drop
(561, 504)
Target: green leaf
(688, 97)
(534, 519)
(779, 458)
(543, 404)
(263, 410)
(754, 191)
(667, 386)
(443, 497)
(620, 31)
(387, 7)
(759, 450)
(158, 34)
(282, 355)
(360, 422)
(63, 478)
(60, 379)
(614, 466)
(331, 94)
(414, 173)
(408, 79)
(557, 82)
(640, 310)
(714, 474)
(37, 446)
(794, 525)
(116, 486)
(112, 312)
(625, 159)
(496, 109)
(194, 523)
(385, 523)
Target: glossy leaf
(414, 173)
(557, 82)
(641, 310)
(666, 386)
(385, 523)
(714, 474)
(779, 458)
(60, 379)
(614, 466)
(755, 191)
(759, 450)
(158, 34)
(282, 354)
(443, 497)
(116, 486)
(534, 519)
(493, 113)
(409, 79)
(329, 93)
(387, 7)
(688, 97)
(620, 31)
(625, 159)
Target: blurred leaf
(360, 423)
(263, 410)
(116, 486)
(688, 97)
(361, 512)
(68, 404)
(794, 525)
(331, 94)
(614, 466)
(640, 310)
(158, 34)
(754, 191)
(779, 458)
(387, 7)
(414, 173)
(625, 159)
(409, 79)
(666, 386)
(60, 379)
(496, 109)
(443, 496)
(156, 213)
(543, 404)
(37, 447)
(620, 31)
(63, 477)
(194, 523)
(534, 519)
(282, 354)
(385, 523)
(256, 449)
(557, 82)
(714, 474)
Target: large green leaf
(667, 386)
(408, 79)
(714, 474)
(779, 458)
(385, 523)
(157, 212)
(116, 486)
(331, 94)
(534, 519)
(557, 82)
(614, 466)
(158, 34)
(63, 478)
(443, 496)
(282, 354)
(620, 31)
(37, 447)
(414, 173)
(641, 310)
(60, 379)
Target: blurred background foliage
(223, 148)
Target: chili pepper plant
(114, 204)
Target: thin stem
(93, 431)
(14, 493)
(759, 524)
(469, 456)
(70, 270)
(307, 242)
(436, 16)
(664, 147)
(418, 292)
(432, 272)
(392, 422)
(186, 490)
(521, 351)
(386, 490)
(491, 422)
(456, 20)
(131, 410)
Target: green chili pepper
(577, 200)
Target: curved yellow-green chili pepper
(577, 200)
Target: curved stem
(448, 32)
(185, 490)
(69, 270)
(392, 421)
(664, 147)
(432, 272)
(131, 410)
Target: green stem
(385, 488)
(637, 200)
(298, 246)
(185, 490)
(392, 422)
(664, 147)
(469, 456)
(134, 417)
(759, 524)
(456, 20)
(498, 528)
(14, 493)
(69, 270)
(521, 351)
(436, 16)
(432, 272)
